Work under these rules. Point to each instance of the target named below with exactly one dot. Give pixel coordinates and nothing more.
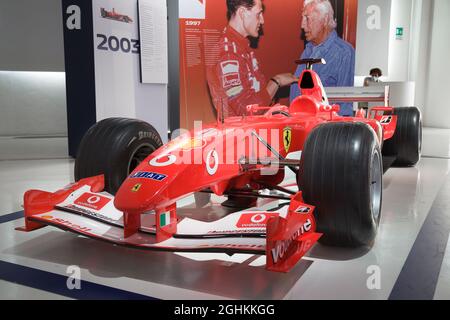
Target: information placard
(153, 35)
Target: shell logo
(47, 217)
(192, 143)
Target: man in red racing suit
(236, 80)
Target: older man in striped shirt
(323, 42)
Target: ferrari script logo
(136, 187)
(287, 138)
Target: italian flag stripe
(164, 219)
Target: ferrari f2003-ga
(129, 183)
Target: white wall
(31, 35)
(399, 49)
(378, 46)
(32, 103)
(437, 99)
(420, 49)
(155, 110)
(31, 39)
(372, 37)
(421, 56)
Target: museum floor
(410, 254)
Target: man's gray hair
(325, 9)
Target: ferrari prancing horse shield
(136, 187)
(287, 138)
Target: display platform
(410, 258)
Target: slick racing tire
(114, 147)
(341, 174)
(406, 144)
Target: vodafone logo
(254, 220)
(163, 160)
(258, 218)
(281, 247)
(212, 162)
(92, 201)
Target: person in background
(236, 80)
(319, 26)
(375, 75)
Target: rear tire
(341, 175)
(114, 147)
(406, 144)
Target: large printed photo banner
(201, 24)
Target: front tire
(114, 147)
(341, 175)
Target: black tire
(339, 162)
(406, 144)
(114, 147)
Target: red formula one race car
(113, 15)
(128, 183)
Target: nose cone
(141, 191)
(154, 183)
(182, 166)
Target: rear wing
(358, 94)
(381, 112)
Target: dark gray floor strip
(10, 217)
(55, 283)
(419, 276)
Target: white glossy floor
(410, 255)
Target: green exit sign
(399, 33)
